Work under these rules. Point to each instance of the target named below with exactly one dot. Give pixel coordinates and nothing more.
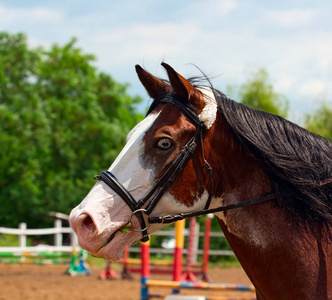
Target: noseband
(162, 185)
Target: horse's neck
(282, 260)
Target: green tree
(320, 121)
(62, 122)
(259, 94)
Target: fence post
(58, 235)
(22, 235)
(74, 240)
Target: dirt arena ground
(48, 282)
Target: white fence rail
(22, 232)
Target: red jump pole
(125, 273)
(108, 273)
(145, 274)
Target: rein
(171, 219)
(162, 185)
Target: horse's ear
(180, 85)
(183, 88)
(153, 85)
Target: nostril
(88, 224)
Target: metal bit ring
(130, 222)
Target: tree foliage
(320, 121)
(259, 94)
(62, 122)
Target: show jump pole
(178, 252)
(145, 259)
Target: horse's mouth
(121, 229)
(110, 238)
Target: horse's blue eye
(164, 144)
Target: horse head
(152, 149)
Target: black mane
(298, 162)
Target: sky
(227, 39)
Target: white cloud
(291, 18)
(143, 40)
(211, 8)
(314, 88)
(304, 66)
(223, 37)
(35, 15)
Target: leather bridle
(162, 185)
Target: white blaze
(126, 166)
(107, 210)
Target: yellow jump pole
(178, 252)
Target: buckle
(164, 217)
